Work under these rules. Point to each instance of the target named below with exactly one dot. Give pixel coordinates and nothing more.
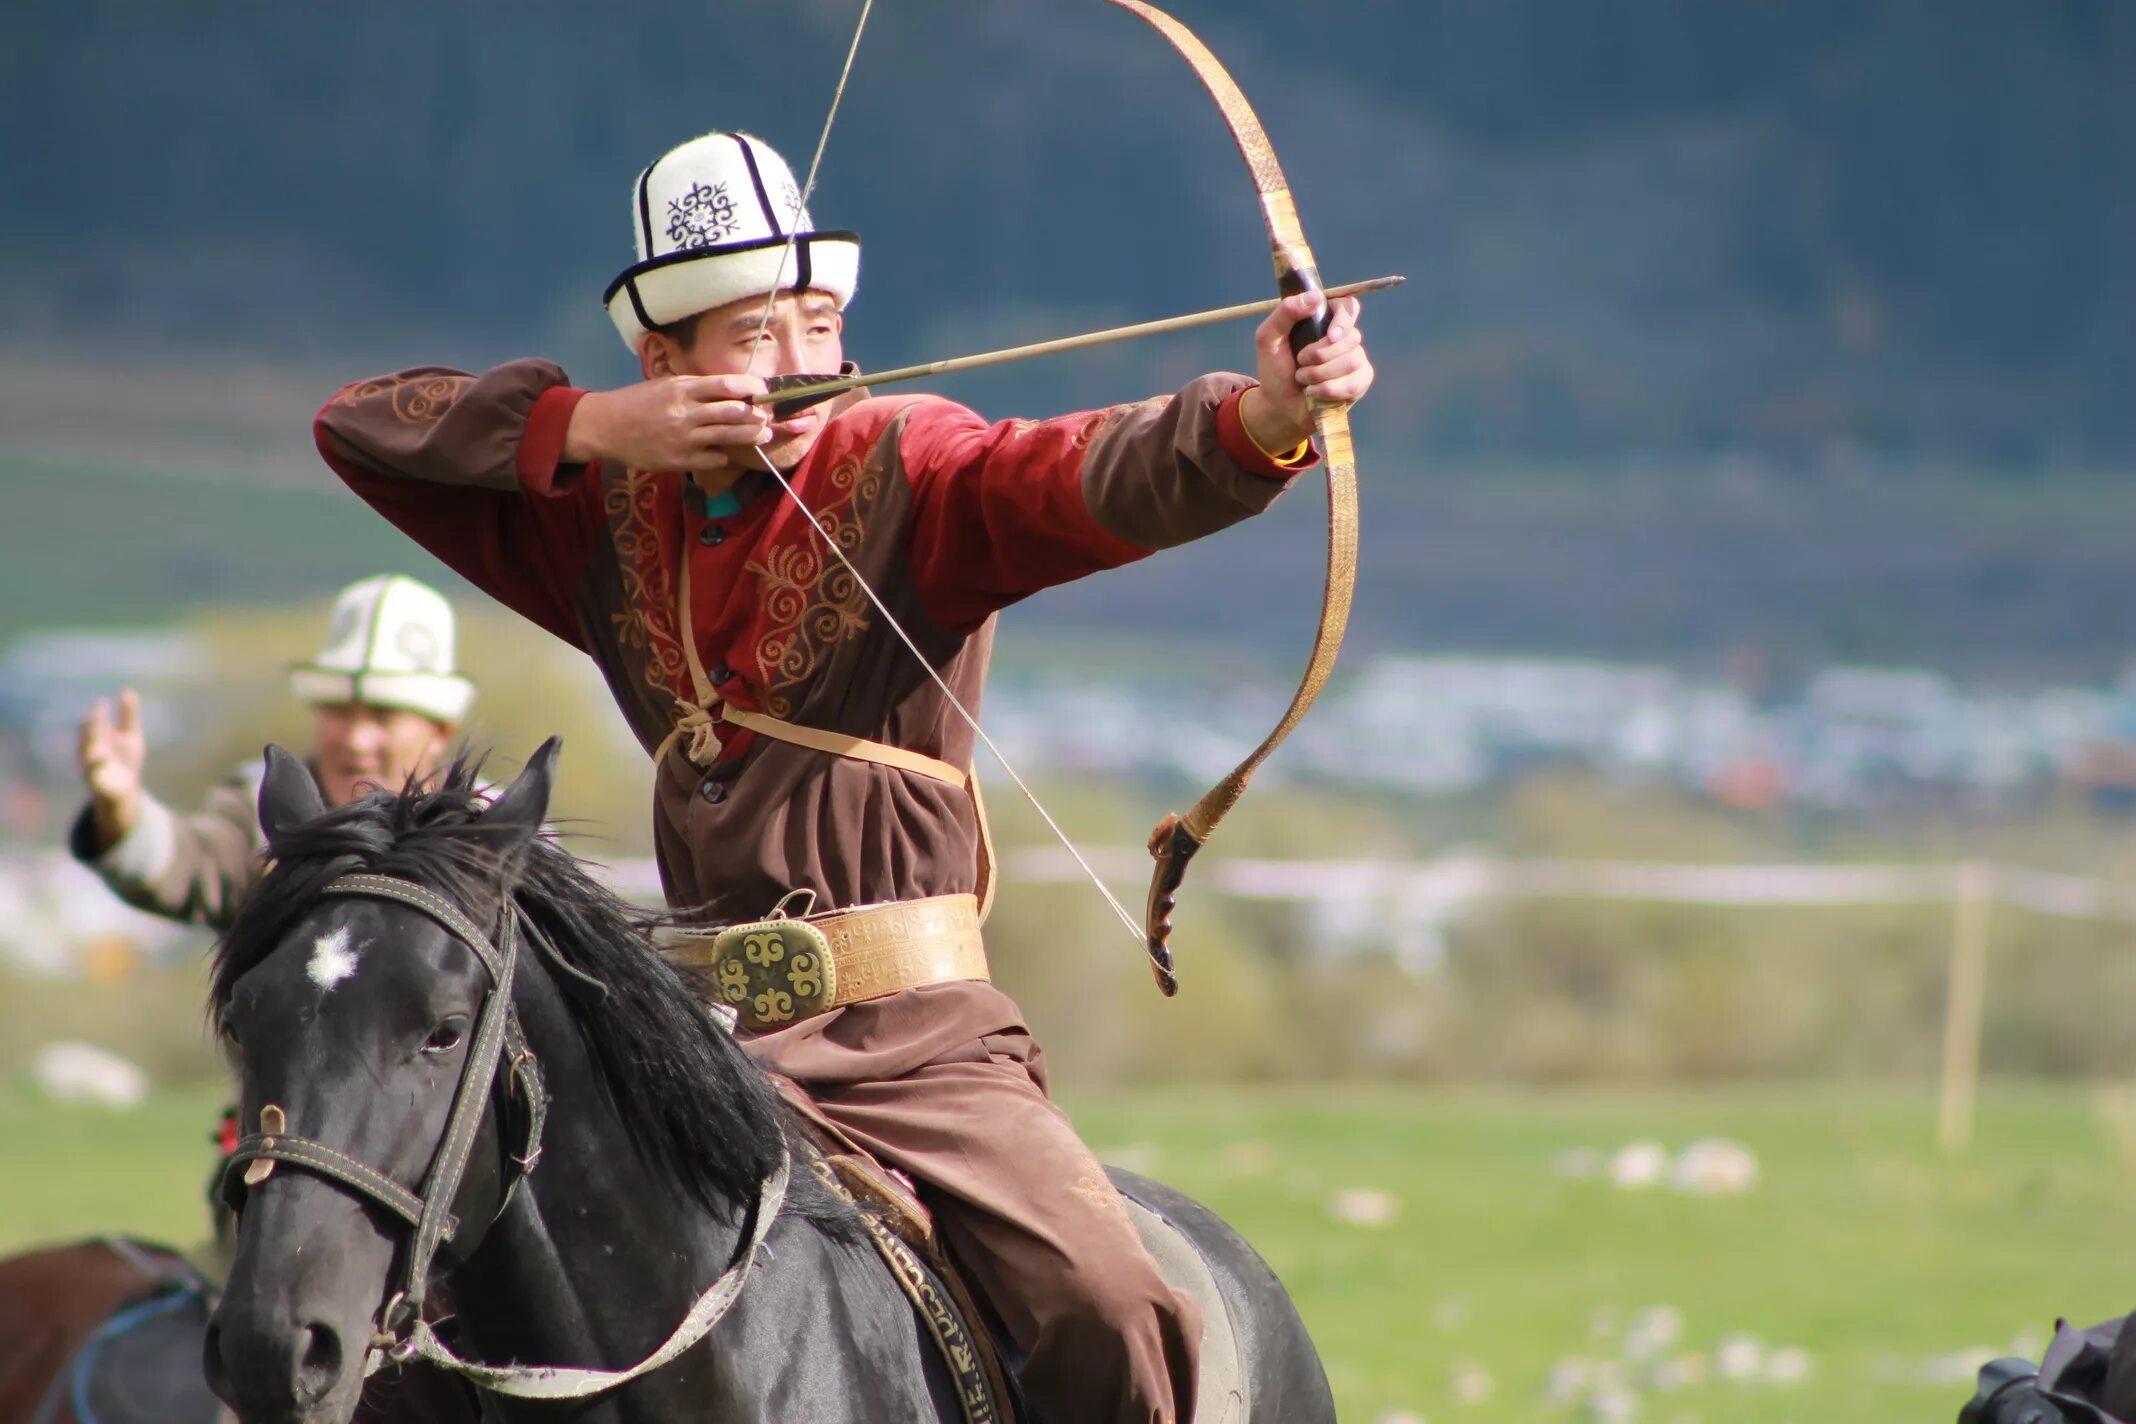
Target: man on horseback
(385, 703)
(799, 744)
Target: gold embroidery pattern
(1098, 1190)
(1094, 425)
(414, 400)
(646, 618)
(809, 599)
(1102, 421)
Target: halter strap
(448, 915)
(574, 1382)
(442, 1183)
(316, 1157)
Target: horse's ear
(289, 796)
(522, 807)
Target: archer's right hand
(113, 753)
(695, 423)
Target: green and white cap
(389, 644)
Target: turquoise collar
(738, 497)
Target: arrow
(790, 395)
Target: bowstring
(771, 301)
(815, 164)
(830, 542)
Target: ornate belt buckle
(774, 971)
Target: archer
(799, 744)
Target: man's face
(363, 748)
(806, 336)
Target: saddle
(979, 1357)
(902, 1231)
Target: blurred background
(1736, 742)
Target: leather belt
(778, 971)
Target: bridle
(499, 1048)
(499, 1044)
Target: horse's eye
(444, 1038)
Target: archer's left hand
(1333, 370)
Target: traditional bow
(1177, 838)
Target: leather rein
(499, 1047)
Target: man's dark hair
(682, 332)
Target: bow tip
(1172, 845)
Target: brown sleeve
(1174, 469)
(195, 868)
(443, 426)
(470, 468)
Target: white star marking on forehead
(332, 959)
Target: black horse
(361, 1004)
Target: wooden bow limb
(1177, 838)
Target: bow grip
(1290, 282)
(1172, 845)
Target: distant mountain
(1817, 230)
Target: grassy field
(1858, 1246)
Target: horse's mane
(693, 1101)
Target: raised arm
(472, 468)
(1007, 509)
(195, 868)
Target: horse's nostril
(318, 1361)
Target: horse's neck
(599, 1255)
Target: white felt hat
(713, 217)
(389, 644)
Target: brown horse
(142, 1310)
(54, 1299)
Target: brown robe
(948, 519)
